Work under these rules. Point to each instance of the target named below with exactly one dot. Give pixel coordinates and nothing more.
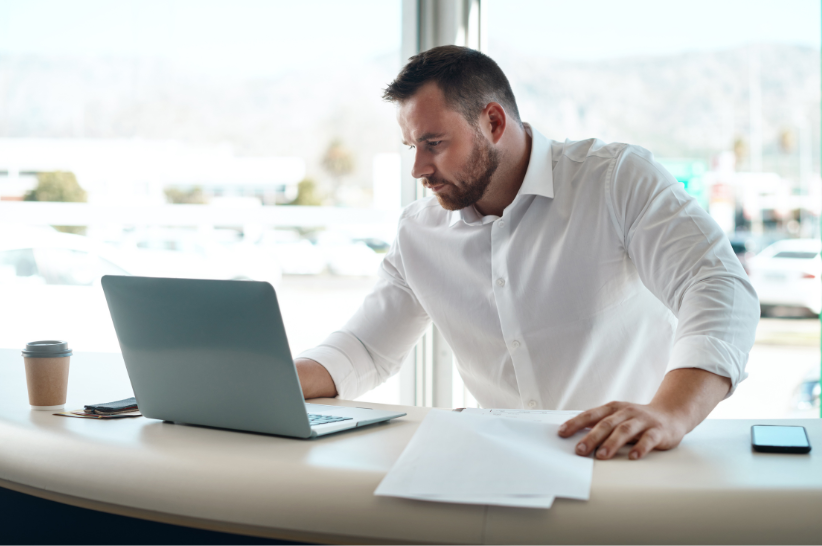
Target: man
(563, 275)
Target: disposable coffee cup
(47, 371)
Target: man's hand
(315, 379)
(684, 399)
(618, 423)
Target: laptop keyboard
(317, 419)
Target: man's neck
(508, 179)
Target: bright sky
(242, 37)
(266, 37)
(597, 29)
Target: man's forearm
(690, 394)
(315, 379)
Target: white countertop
(713, 488)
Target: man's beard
(474, 179)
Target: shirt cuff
(337, 354)
(712, 355)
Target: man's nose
(422, 165)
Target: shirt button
(501, 282)
(515, 344)
(532, 404)
(501, 223)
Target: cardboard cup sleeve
(47, 371)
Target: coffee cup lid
(49, 348)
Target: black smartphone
(780, 439)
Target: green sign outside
(691, 172)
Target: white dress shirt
(600, 277)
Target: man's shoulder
(615, 160)
(593, 148)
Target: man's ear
(495, 120)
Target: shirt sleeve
(683, 257)
(373, 344)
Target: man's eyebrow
(429, 136)
(426, 136)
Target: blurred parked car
(50, 281)
(377, 245)
(788, 273)
(50, 288)
(806, 396)
(746, 245)
(48, 257)
(296, 256)
(190, 253)
(333, 251)
(344, 256)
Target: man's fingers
(600, 432)
(586, 419)
(648, 441)
(621, 434)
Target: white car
(789, 273)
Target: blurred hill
(298, 114)
(693, 104)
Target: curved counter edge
(187, 521)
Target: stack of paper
(481, 458)
(556, 417)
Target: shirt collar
(469, 216)
(539, 179)
(454, 216)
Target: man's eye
(434, 143)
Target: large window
(260, 121)
(727, 96)
(248, 140)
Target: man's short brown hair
(468, 79)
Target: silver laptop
(215, 353)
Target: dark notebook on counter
(108, 408)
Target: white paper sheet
(483, 459)
(556, 417)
